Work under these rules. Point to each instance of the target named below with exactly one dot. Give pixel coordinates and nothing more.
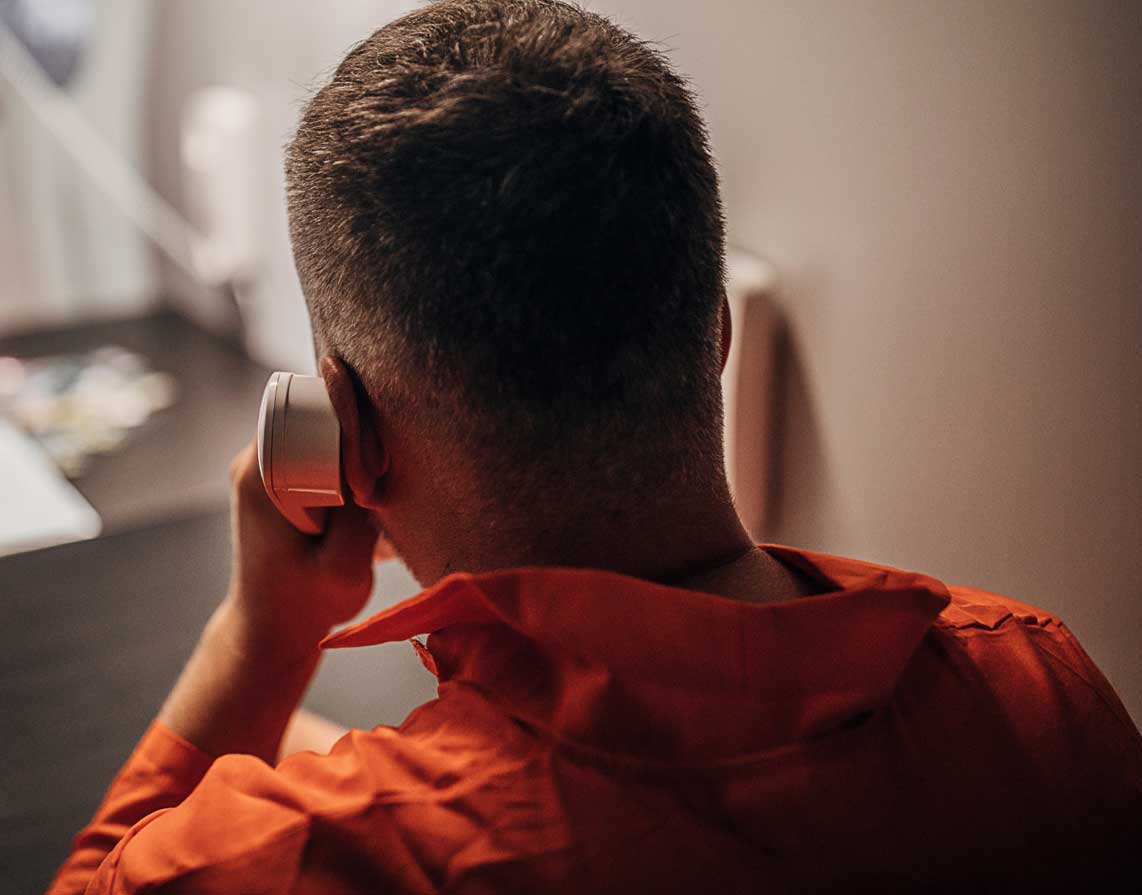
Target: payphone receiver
(299, 450)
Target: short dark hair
(505, 214)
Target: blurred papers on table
(40, 508)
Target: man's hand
(288, 589)
(259, 650)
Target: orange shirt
(598, 733)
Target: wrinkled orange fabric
(599, 733)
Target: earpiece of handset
(299, 450)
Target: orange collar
(627, 665)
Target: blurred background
(950, 194)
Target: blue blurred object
(55, 32)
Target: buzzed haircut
(506, 218)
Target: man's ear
(364, 460)
(727, 331)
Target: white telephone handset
(299, 450)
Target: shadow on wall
(799, 479)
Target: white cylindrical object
(223, 176)
(748, 384)
(299, 449)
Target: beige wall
(952, 193)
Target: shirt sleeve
(177, 821)
(161, 772)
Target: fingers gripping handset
(299, 450)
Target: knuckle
(240, 462)
(244, 475)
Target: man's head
(506, 222)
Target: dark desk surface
(176, 462)
(94, 633)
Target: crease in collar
(630, 666)
(875, 614)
